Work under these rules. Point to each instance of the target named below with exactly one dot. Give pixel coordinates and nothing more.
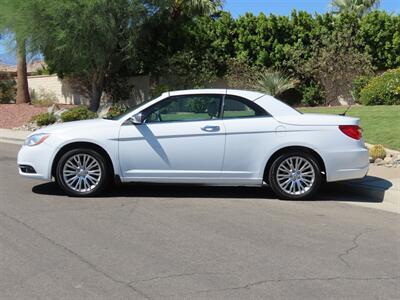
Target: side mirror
(137, 119)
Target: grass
(381, 123)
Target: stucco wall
(69, 92)
(52, 85)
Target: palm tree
(13, 23)
(360, 7)
(274, 83)
(22, 75)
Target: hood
(84, 124)
(317, 120)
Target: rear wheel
(295, 176)
(82, 172)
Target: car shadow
(370, 189)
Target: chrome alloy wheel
(82, 173)
(295, 175)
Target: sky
(284, 7)
(240, 7)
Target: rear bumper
(346, 165)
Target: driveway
(170, 242)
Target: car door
(250, 136)
(182, 139)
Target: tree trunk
(22, 75)
(97, 91)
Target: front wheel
(295, 176)
(82, 172)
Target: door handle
(209, 128)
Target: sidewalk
(13, 136)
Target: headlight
(36, 139)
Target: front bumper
(346, 165)
(37, 158)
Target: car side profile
(205, 136)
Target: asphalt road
(169, 242)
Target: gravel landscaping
(12, 115)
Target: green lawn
(381, 124)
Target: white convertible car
(208, 137)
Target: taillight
(353, 131)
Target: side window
(235, 107)
(185, 108)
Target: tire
(82, 173)
(295, 182)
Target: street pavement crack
(76, 255)
(342, 255)
(175, 276)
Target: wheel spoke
(70, 165)
(306, 166)
(94, 172)
(306, 173)
(283, 175)
(72, 179)
(87, 185)
(286, 183)
(282, 167)
(90, 180)
(70, 172)
(304, 184)
(92, 165)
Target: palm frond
(360, 7)
(274, 83)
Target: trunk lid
(317, 120)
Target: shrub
(377, 151)
(44, 70)
(358, 84)
(313, 95)
(240, 75)
(7, 91)
(383, 89)
(44, 119)
(116, 110)
(78, 113)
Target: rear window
(236, 107)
